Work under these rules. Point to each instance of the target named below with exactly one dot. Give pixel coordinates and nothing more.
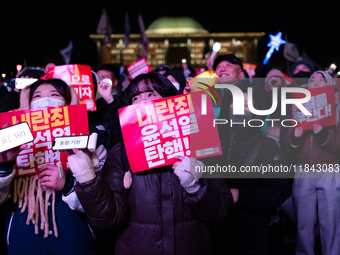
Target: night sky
(37, 31)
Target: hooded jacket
(156, 215)
(25, 92)
(320, 148)
(75, 236)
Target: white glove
(81, 166)
(182, 170)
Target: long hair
(160, 83)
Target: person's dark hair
(95, 82)
(163, 67)
(109, 67)
(32, 72)
(55, 61)
(160, 83)
(59, 85)
(177, 73)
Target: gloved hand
(320, 134)
(81, 166)
(296, 137)
(182, 170)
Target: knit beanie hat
(304, 62)
(274, 72)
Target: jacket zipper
(311, 150)
(231, 144)
(92, 233)
(9, 227)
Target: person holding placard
(256, 195)
(38, 220)
(165, 210)
(316, 184)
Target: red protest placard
(80, 78)
(321, 106)
(46, 124)
(155, 132)
(199, 71)
(139, 67)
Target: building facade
(172, 39)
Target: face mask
(271, 84)
(301, 77)
(176, 84)
(46, 102)
(302, 74)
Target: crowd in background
(99, 207)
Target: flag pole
(287, 61)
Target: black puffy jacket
(247, 226)
(156, 215)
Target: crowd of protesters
(100, 207)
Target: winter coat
(321, 148)
(311, 150)
(9, 101)
(75, 236)
(156, 215)
(246, 227)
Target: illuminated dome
(175, 25)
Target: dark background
(36, 31)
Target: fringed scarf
(29, 194)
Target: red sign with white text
(156, 131)
(46, 124)
(199, 71)
(139, 67)
(321, 106)
(80, 78)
